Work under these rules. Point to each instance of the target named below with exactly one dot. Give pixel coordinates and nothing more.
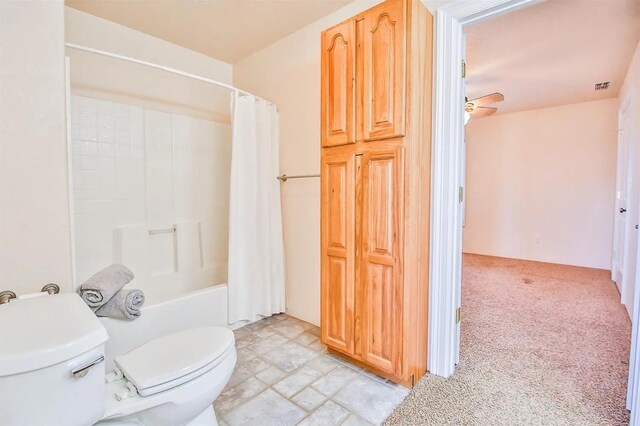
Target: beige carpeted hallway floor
(542, 344)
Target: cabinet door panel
(383, 80)
(337, 251)
(337, 102)
(380, 297)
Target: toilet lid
(174, 356)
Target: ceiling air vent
(603, 86)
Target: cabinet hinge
(458, 314)
(460, 194)
(464, 69)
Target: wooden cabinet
(382, 50)
(375, 171)
(338, 250)
(379, 301)
(337, 98)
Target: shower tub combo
(150, 190)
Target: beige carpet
(542, 344)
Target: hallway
(541, 344)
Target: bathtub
(199, 308)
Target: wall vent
(602, 86)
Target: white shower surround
(137, 170)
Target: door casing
(446, 217)
(447, 174)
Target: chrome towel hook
(6, 296)
(51, 288)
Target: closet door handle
(622, 210)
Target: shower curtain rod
(163, 68)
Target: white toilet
(52, 370)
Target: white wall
(137, 170)
(112, 79)
(34, 202)
(34, 212)
(540, 184)
(630, 95)
(288, 73)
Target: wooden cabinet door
(337, 251)
(383, 52)
(379, 292)
(337, 85)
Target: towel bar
(284, 178)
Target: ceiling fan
(476, 107)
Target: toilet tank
(51, 362)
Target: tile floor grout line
(312, 344)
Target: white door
(622, 189)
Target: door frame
(445, 285)
(445, 277)
(633, 382)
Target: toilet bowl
(52, 370)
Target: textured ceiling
(227, 30)
(552, 53)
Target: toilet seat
(174, 359)
(166, 408)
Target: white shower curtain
(256, 277)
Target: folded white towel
(103, 285)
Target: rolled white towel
(125, 304)
(103, 285)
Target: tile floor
(284, 376)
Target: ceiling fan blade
(483, 111)
(488, 99)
